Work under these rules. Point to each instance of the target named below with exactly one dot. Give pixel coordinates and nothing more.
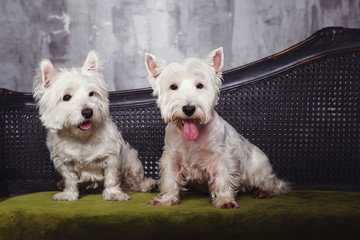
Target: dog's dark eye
(66, 98)
(91, 94)
(199, 86)
(173, 87)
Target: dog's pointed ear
(47, 70)
(154, 65)
(216, 59)
(92, 62)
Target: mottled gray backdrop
(122, 30)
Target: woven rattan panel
(306, 120)
(143, 128)
(24, 155)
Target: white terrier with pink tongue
(200, 146)
(84, 143)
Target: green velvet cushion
(298, 215)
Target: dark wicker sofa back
(301, 107)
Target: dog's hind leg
(262, 176)
(133, 173)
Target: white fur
(96, 155)
(219, 157)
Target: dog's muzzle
(190, 131)
(87, 113)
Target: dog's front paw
(224, 203)
(159, 201)
(66, 196)
(229, 205)
(114, 194)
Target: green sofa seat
(302, 214)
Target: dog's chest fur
(85, 155)
(198, 160)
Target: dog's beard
(82, 129)
(189, 126)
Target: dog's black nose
(189, 110)
(87, 113)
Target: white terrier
(200, 146)
(84, 143)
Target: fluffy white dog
(84, 143)
(200, 146)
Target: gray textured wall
(122, 30)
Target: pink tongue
(85, 125)
(190, 131)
